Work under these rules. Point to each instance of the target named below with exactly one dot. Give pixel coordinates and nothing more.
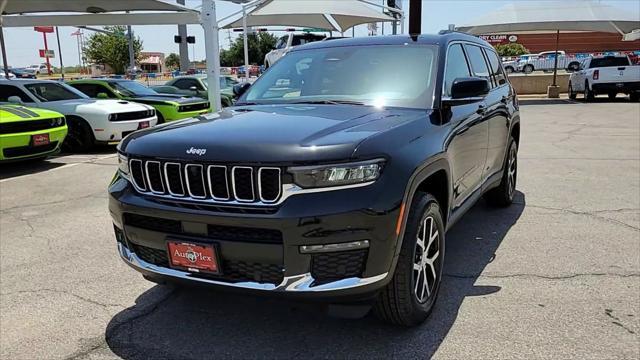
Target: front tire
(528, 69)
(409, 297)
(502, 196)
(572, 95)
(80, 136)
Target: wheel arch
(433, 177)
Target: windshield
(132, 88)
(53, 92)
(610, 62)
(402, 76)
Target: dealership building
(577, 42)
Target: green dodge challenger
(29, 133)
(168, 107)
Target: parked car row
(39, 117)
(196, 85)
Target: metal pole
(132, 58)
(212, 51)
(4, 54)
(555, 65)
(184, 47)
(79, 52)
(60, 53)
(245, 42)
(46, 49)
(415, 17)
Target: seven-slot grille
(218, 183)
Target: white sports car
(90, 121)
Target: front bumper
(15, 147)
(114, 131)
(303, 220)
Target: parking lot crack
(617, 321)
(85, 299)
(593, 214)
(545, 277)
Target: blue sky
(23, 43)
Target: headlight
(113, 117)
(337, 175)
(123, 165)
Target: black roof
(444, 37)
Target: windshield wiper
(329, 102)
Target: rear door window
(478, 64)
(496, 70)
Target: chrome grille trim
(142, 188)
(148, 178)
(226, 182)
(233, 184)
(186, 180)
(166, 178)
(260, 184)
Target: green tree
(259, 45)
(172, 61)
(112, 49)
(512, 49)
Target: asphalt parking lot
(553, 276)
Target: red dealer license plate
(40, 139)
(193, 257)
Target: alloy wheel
(426, 262)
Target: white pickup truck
(609, 75)
(286, 43)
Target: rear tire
(588, 94)
(572, 94)
(528, 69)
(79, 137)
(409, 297)
(502, 196)
(508, 70)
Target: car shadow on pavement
(26, 167)
(185, 323)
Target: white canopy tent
(27, 13)
(554, 16)
(563, 16)
(333, 15)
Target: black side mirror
(240, 89)
(469, 88)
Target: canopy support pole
(4, 54)
(212, 51)
(555, 65)
(245, 43)
(60, 53)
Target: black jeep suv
(334, 177)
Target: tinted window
(496, 70)
(92, 90)
(304, 39)
(609, 62)
(186, 84)
(6, 91)
(456, 67)
(132, 88)
(478, 64)
(373, 75)
(53, 92)
(282, 42)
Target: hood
(270, 134)
(90, 106)
(163, 98)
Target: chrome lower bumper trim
(296, 283)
